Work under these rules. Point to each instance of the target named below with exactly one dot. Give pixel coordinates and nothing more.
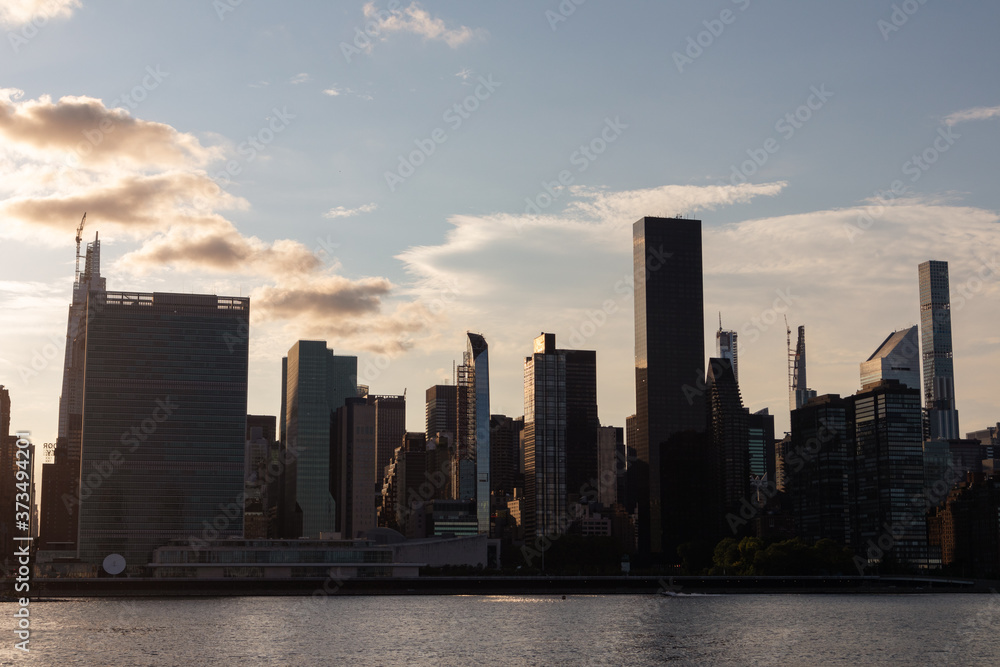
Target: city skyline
(310, 228)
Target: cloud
(416, 20)
(147, 183)
(299, 78)
(15, 13)
(222, 248)
(137, 203)
(86, 131)
(341, 212)
(465, 73)
(334, 91)
(976, 113)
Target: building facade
(164, 426)
(669, 367)
(936, 350)
(315, 383)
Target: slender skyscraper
(669, 369)
(390, 427)
(798, 391)
(164, 422)
(477, 359)
(317, 383)
(936, 349)
(60, 519)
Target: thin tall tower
(936, 350)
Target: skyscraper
(316, 383)
(477, 362)
(818, 462)
(897, 358)
(669, 366)
(760, 429)
(725, 347)
(164, 422)
(440, 410)
(390, 427)
(59, 526)
(936, 350)
(352, 467)
(560, 433)
(798, 391)
(888, 473)
(729, 459)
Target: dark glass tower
(669, 372)
(936, 350)
(164, 422)
(560, 433)
(729, 451)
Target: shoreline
(563, 585)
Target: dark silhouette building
(818, 464)
(669, 376)
(965, 528)
(441, 410)
(560, 434)
(164, 422)
(729, 447)
(390, 427)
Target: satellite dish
(114, 564)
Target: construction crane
(79, 237)
(791, 364)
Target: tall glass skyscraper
(478, 359)
(316, 383)
(897, 358)
(60, 519)
(164, 422)
(669, 368)
(936, 350)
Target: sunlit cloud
(15, 13)
(341, 212)
(976, 113)
(416, 20)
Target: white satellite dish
(114, 564)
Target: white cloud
(341, 212)
(299, 78)
(976, 113)
(416, 20)
(15, 13)
(332, 91)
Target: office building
(897, 358)
(441, 406)
(760, 433)
(315, 383)
(818, 461)
(728, 483)
(886, 426)
(164, 422)
(560, 433)
(352, 468)
(669, 366)
(390, 427)
(505, 454)
(936, 350)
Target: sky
(386, 176)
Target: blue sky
(266, 149)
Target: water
(513, 630)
